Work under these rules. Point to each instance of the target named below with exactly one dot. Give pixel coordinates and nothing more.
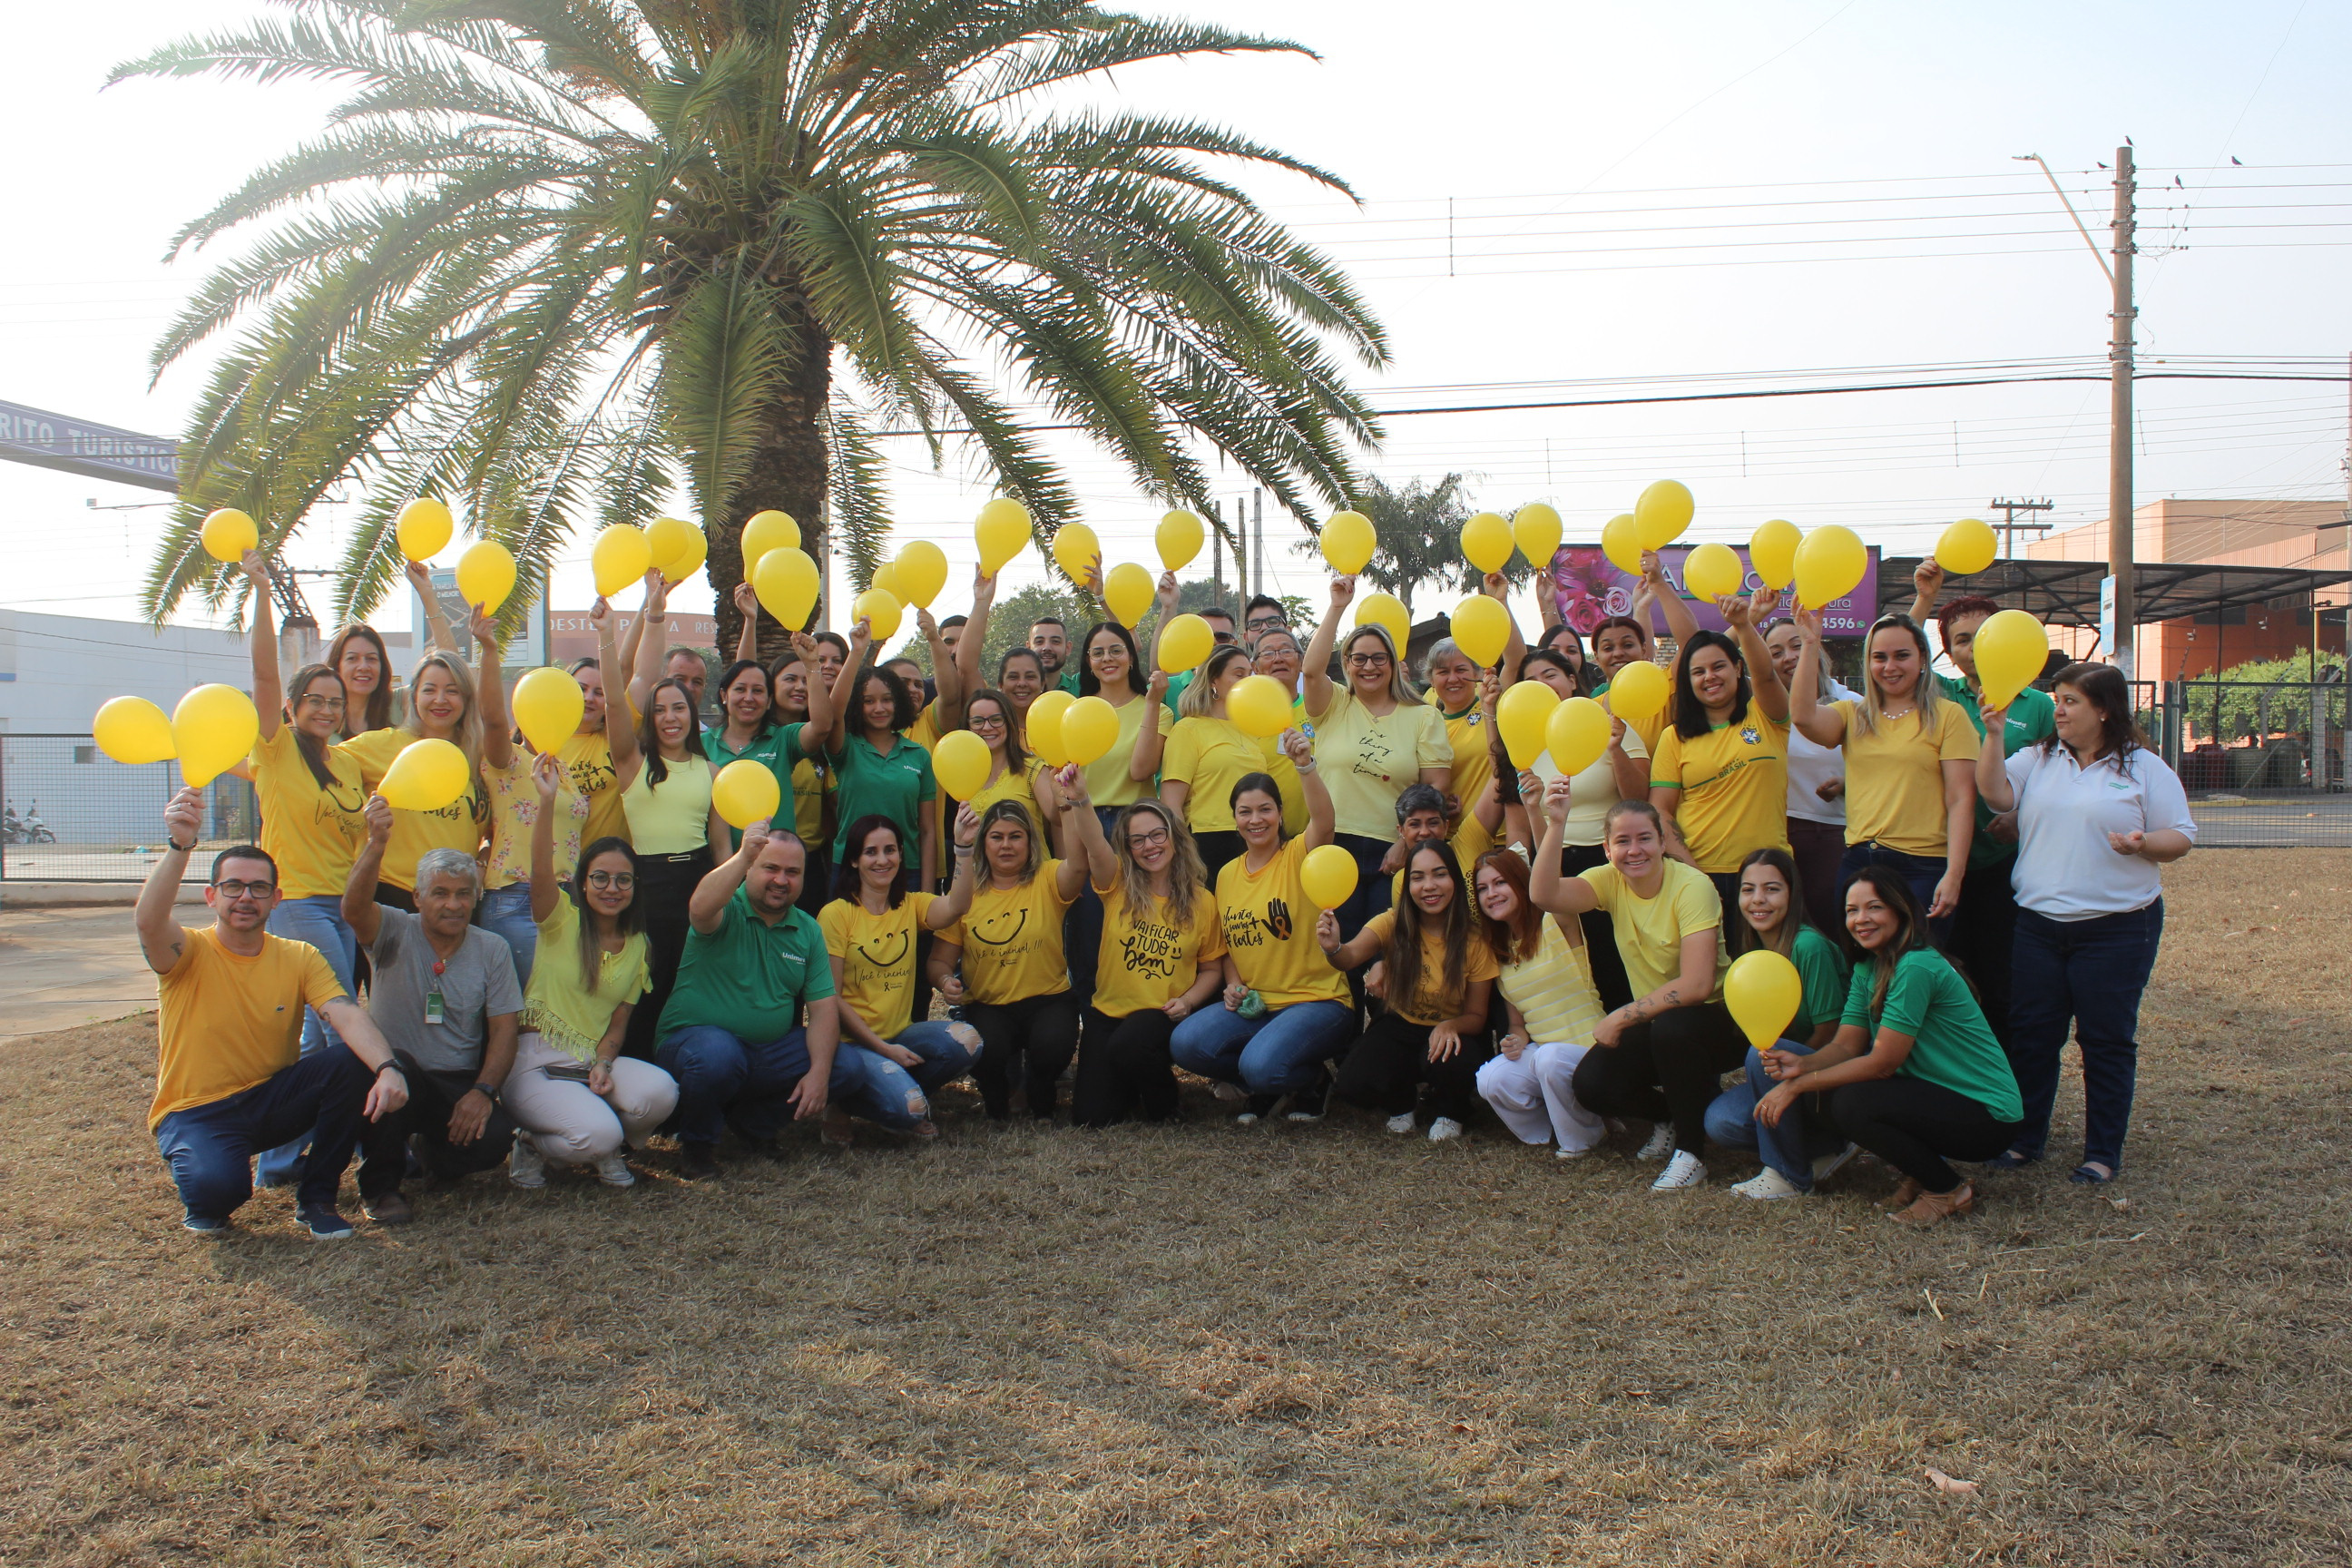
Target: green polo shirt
(1951, 1044)
(875, 785)
(776, 747)
(748, 978)
(2032, 717)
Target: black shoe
(1307, 1105)
(324, 1225)
(393, 1208)
(1256, 1109)
(697, 1162)
(202, 1224)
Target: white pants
(570, 1123)
(1534, 1097)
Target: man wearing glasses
(230, 1078)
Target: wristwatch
(489, 1092)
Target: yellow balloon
(885, 577)
(1830, 562)
(1638, 690)
(547, 704)
(1576, 734)
(1967, 546)
(1662, 513)
(1712, 571)
(745, 792)
(766, 531)
(1482, 628)
(1003, 531)
(2011, 647)
(1089, 730)
(1077, 549)
(1127, 590)
(923, 572)
(1329, 876)
(212, 729)
(1620, 540)
(1763, 991)
(134, 730)
(227, 534)
(1486, 543)
(1772, 551)
(1260, 705)
(423, 528)
(1385, 611)
(1348, 541)
(1522, 716)
(1536, 529)
(485, 573)
(1042, 731)
(1179, 538)
(787, 581)
(1184, 642)
(880, 607)
(427, 776)
(961, 764)
(678, 547)
(620, 558)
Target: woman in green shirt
(1912, 1074)
(882, 773)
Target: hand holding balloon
(183, 817)
(378, 813)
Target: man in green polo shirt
(751, 1032)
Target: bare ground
(1205, 1344)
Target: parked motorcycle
(25, 829)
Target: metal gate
(2265, 764)
(70, 814)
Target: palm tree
(555, 257)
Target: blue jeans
(317, 918)
(2090, 973)
(507, 911)
(1280, 1053)
(1921, 873)
(1804, 1135)
(210, 1147)
(897, 1097)
(723, 1080)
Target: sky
(1758, 194)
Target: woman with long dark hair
(746, 733)
(1016, 982)
(882, 773)
(358, 658)
(1549, 1012)
(1912, 1074)
(2098, 814)
(1109, 668)
(1719, 777)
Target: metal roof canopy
(2067, 592)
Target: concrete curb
(58, 895)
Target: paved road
(2284, 822)
(64, 967)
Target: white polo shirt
(2065, 869)
(1811, 766)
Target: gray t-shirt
(476, 982)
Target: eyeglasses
(985, 722)
(1259, 623)
(233, 891)
(1368, 660)
(332, 704)
(1152, 838)
(1286, 646)
(623, 881)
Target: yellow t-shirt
(461, 825)
(1591, 792)
(1209, 756)
(1441, 995)
(1011, 939)
(1107, 780)
(1735, 788)
(1895, 779)
(1013, 784)
(1649, 729)
(588, 759)
(1146, 960)
(514, 808)
(1474, 765)
(558, 1004)
(672, 818)
(878, 958)
(1269, 930)
(813, 785)
(312, 832)
(1650, 931)
(228, 1022)
(1367, 761)
(925, 731)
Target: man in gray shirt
(445, 997)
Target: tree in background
(556, 258)
(1420, 529)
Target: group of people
(580, 953)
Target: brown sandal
(835, 1127)
(1934, 1208)
(1903, 1196)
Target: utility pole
(1257, 539)
(2010, 525)
(2119, 431)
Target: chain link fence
(2265, 763)
(70, 814)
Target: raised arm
(420, 577)
(361, 911)
(1356, 951)
(845, 685)
(269, 686)
(1992, 762)
(161, 939)
(1822, 725)
(957, 903)
(1150, 741)
(747, 604)
(1322, 817)
(650, 637)
(707, 908)
(1927, 581)
(547, 780)
(490, 694)
(1497, 587)
(1546, 889)
(1315, 673)
(975, 633)
(620, 732)
(1681, 625)
(1738, 611)
(1078, 818)
(946, 674)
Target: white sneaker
(1403, 1123)
(1684, 1170)
(1661, 1143)
(1442, 1128)
(1564, 1152)
(525, 1167)
(614, 1171)
(1768, 1187)
(1828, 1163)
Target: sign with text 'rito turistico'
(93, 451)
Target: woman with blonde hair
(442, 706)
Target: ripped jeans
(868, 1083)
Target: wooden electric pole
(2119, 431)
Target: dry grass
(1201, 1344)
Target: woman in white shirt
(2097, 814)
(1816, 787)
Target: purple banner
(1589, 587)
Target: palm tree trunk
(789, 473)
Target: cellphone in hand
(569, 1072)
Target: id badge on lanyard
(434, 1007)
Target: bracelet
(389, 1064)
(175, 844)
(488, 1092)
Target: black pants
(1216, 847)
(432, 1097)
(1042, 1031)
(1124, 1070)
(1386, 1067)
(1984, 933)
(816, 881)
(1668, 1069)
(664, 884)
(1915, 1126)
(1599, 933)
